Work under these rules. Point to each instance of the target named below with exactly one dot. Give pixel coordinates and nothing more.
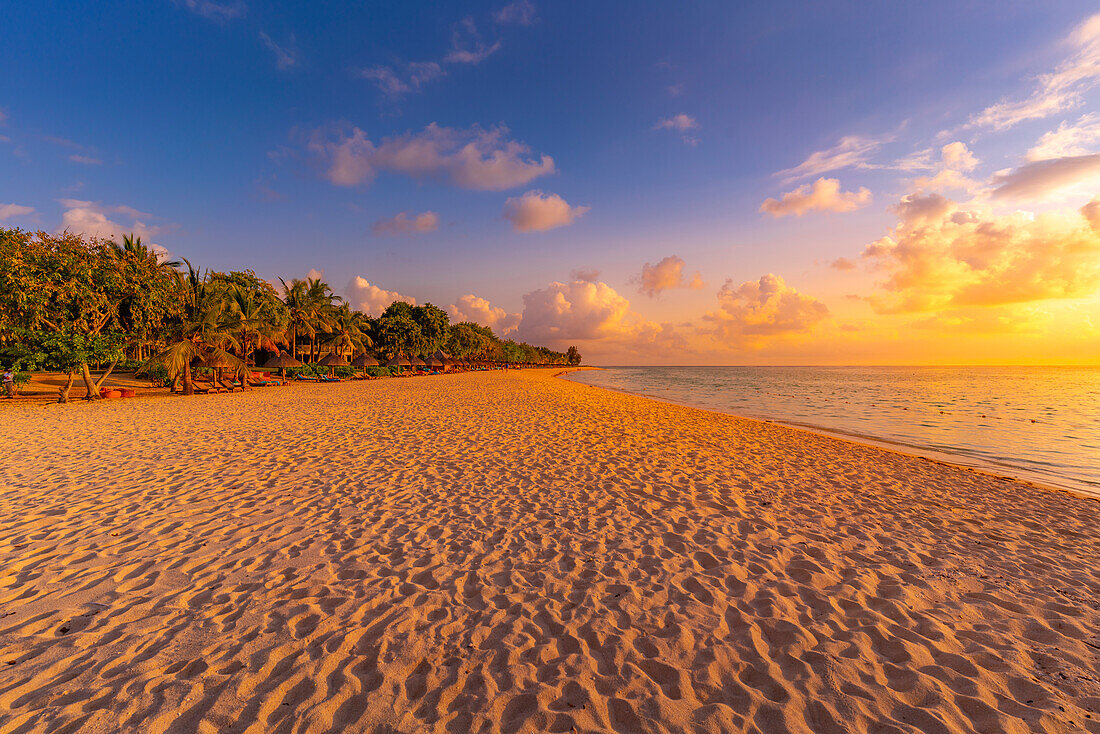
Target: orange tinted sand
(509, 552)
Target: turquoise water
(1041, 423)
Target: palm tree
(251, 322)
(344, 325)
(321, 303)
(204, 332)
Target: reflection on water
(1043, 422)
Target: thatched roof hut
(282, 361)
(333, 359)
(364, 360)
(399, 361)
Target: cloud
(914, 208)
(590, 276)
(1090, 211)
(521, 12)
(952, 258)
(285, 56)
(666, 275)
(825, 195)
(85, 159)
(538, 212)
(402, 223)
(8, 211)
(851, 150)
(476, 309)
(92, 219)
(679, 122)
(757, 310)
(955, 161)
(394, 84)
(370, 299)
(590, 313)
(219, 11)
(1081, 138)
(842, 263)
(1047, 178)
(467, 46)
(474, 158)
(1056, 91)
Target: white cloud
(1056, 91)
(219, 11)
(85, 159)
(1048, 179)
(92, 219)
(538, 212)
(1081, 138)
(7, 211)
(467, 46)
(824, 195)
(851, 150)
(521, 12)
(403, 223)
(955, 161)
(394, 84)
(592, 313)
(679, 122)
(666, 275)
(285, 56)
(470, 159)
(760, 309)
(480, 311)
(370, 299)
(940, 257)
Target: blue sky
(217, 129)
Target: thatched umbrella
(399, 361)
(332, 360)
(218, 362)
(432, 362)
(364, 360)
(280, 362)
(416, 361)
(445, 359)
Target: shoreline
(998, 471)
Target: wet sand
(510, 552)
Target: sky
(654, 182)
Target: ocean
(1038, 423)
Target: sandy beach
(511, 552)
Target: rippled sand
(509, 552)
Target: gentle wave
(1040, 423)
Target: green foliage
(573, 356)
(67, 302)
(68, 350)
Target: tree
(573, 356)
(398, 334)
(62, 295)
(346, 331)
(151, 285)
(259, 317)
(434, 327)
(469, 340)
(205, 330)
